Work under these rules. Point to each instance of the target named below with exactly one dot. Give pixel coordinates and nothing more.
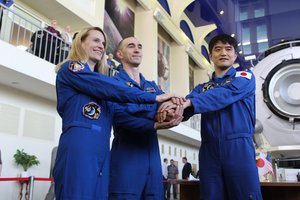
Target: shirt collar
(229, 73)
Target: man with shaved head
(135, 171)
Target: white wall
(191, 152)
(32, 142)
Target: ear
(119, 54)
(236, 55)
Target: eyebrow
(130, 44)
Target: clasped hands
(170, 112)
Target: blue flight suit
(135, 169)
(227, 155)
(81, 170)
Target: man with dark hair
(165, 176)
(187, 168)
(227, 104)
(172, 175)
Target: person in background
(81, 169)
(53, 40)
(187, 168)
(172, 175)
(165, 176)
(136, 146)
(227, 106)
(66, 43)
(0, 163)
(111, 64)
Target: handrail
(19, 31)
(29, 179)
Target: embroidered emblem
(208, 86)
(91, 110)
(150, 89)
(243, 74)
(129, 84)
(227, 81)
(76, 67)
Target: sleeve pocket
(238, 135)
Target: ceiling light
(221, 12)
(250, 57)
(232, 35)
(240, 52)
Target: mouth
(223, 59)
(98, 51)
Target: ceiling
(52, 9)
(256, 24)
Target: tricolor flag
(264, 164)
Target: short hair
(184, 158)
(171, 160)
(77, 53)
(224, 38)
(165, 159)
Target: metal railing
(24, 34)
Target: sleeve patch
(76, 67)
(243, 74)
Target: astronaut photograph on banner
(118, 23)
(163, 65)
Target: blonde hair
(77, 53)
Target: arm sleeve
(145, 110)
(222, 96)
(128, 121)
(99, 86)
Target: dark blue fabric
(81, 169)
(227, 155)
(135, 160)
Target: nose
(223, 51)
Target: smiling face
(130, 52)
(223, 56)
(94, 45)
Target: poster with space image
(118, 23)
(163, 61)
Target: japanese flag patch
(76, 67)
(243, 74)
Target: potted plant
(25, 160)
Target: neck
(133, 73)
(91, 65)
(221, 70)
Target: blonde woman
(82, 162)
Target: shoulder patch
(244, 74)
(75, 66)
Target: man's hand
(168, 115)
(173, 97)
(170, 124)
(187, 103)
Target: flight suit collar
(130, 82)
(231, 72)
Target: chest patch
(208, 86)
(91, 110)
(76, 67)
(150, 89)
(227, 81)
